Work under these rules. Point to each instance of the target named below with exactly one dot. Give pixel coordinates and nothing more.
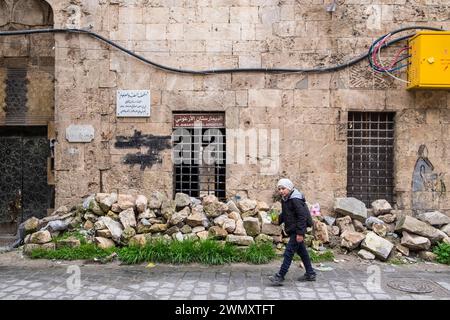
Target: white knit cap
(286, 183)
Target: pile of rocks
(381, 232)
(109, 219)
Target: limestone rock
(345, 224)
(366, 254)
(94, 207)
(156, 200)
(381, 206)
(113, 215)
(353, 207)
(168, 209)
(198, 229)
(31, 225)
(143, 227)
(29, 247)
(99, 225)
(415, 242)
(106, 200)
(138, 240)
(246, 205)
(40, 237)
(333, 230)
(217, 232)
(388, 218)
(126, 201)
(446, 229)
(229, 225)
(234, 215)
(178, 236)
(186, 229)
(172, 230)
(203, 235)
(359, 227)
(197, 218)
(252, 226)
(209, 199)
(380, 229)
(402, 249)
(128, 233)
(262, 206)
(240, 230)
(70, 242)
(427, 256)
(141, 203)
(182, 200)
(239, 240)
(127, 218)
(264, 238)
(351, 239)
(271, 229)
(219, 221)
(329, 220)
(214, 209)
(435, 218)
(263, 217)
(88, 225)
(104, 243)
(116, 208)
(320, 232)
(370, 221)
(413, 225)
(380, 247)
(158, 228)
(147, 214)
(113, 226)
(180, 216)
(91, 217)
(104, 233)
(232, 207)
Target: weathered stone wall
(35, 54)
(310, 110)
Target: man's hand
(299, 238)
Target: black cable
(218, 71)
(369, 54)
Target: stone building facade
(73, 79)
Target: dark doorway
(24, 190)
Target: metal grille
(199, 168)
(370, 156)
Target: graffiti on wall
(427, 184)
(155, 145)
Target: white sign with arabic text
(133, 103)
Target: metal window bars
(200, 168)
(370, 156)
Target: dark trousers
(296, 247)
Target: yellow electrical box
(429, 62)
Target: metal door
(24, 191)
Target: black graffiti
(155, 145)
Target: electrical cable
(230, 70)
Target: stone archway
(27, 74)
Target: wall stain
(155, 145)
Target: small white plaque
(80, 133)
(133, 103)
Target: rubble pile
(109, 220)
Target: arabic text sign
(133, 103)
(208, 120)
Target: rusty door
(24, 191)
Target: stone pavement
(21, 278)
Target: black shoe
(276, 279)
(307, 277)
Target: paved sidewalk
(21, 278)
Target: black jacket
(295, 214)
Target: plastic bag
(315, 210)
